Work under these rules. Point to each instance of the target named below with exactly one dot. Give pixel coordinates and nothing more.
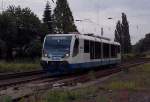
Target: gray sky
(98, 11)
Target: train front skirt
(64, 67)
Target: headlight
(45, 54)
(67, 55)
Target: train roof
(61, 34)
(89, 37)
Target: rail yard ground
(131, 86)
(127, 86)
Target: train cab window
(86, 46)
(76, 48)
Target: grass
(146, 68)
(136, 79)
(133, 56)
(121, 85)
(130, 56)
(5, 99)
(62, 96)
(147, 54)
(19, 66)
(69, 96)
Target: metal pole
(102, 31)
(2, 6)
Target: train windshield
(58, 45)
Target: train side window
(76, 48)
(97, 50)
(92, 46)
(86, 46)
(105, 50)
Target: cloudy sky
(97, 11)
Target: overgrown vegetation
(19, 66)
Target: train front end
(56, 53)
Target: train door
(76, 48)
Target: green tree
(64, 21)
(8, 32)
(18, 28)
(138, 47)
(126, 34)
(34, 49)
(118, 32)
(47, 19)
(143, 45)
(122, 34)
(44, 31)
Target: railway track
(4, 76)
(11, 79)
(98, 74)
(73, 80)
(18, 78)
(41, 73)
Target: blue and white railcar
(70, 52)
